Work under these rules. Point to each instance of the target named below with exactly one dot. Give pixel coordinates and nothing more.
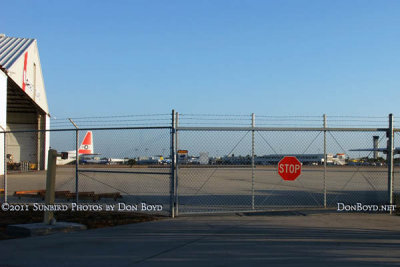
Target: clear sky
(222, 56)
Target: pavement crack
(189, 243)
(169, 250)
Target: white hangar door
(22, 145)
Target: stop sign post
(289, 168)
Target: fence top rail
(277, 129)
(89, 129)
(184, 128)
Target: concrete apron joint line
(204, 236)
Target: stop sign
(289, 168)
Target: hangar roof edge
(11, 48)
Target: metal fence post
(390, 148)
(253, 124)
(77, 167)
(172, 184)
(50, 185)
(177, 167)
(76, 161)
(325, 160)
(5, 166)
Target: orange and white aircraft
(86, 148)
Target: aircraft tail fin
(87, 144)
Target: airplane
(166, 161)
(396, 150)
(117, 161)
(97, 160)
(86, 148)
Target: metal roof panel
(11, 48)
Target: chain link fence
(127, 167)
(204, 163)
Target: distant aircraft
(116, 161)
(396, 150)
(94, 160)
(86, 148)
(166, 161)
(376, 149)
(97, 160)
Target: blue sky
(286, 57)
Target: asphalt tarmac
(219, 189)
(301, 238)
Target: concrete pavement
(289, 238)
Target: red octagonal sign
(289, 168)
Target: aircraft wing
(396, 150)
(370, 149)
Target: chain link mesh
(214, 170)
(127, 166)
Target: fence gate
(339, 166)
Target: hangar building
(23, 104)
